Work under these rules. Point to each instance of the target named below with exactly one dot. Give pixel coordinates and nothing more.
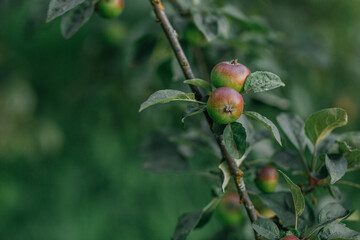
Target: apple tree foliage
(310, 157)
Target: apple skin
(290, 238)
(228, 212)
(230, 74)
(225, 105)
(267, 179)
(110, 8)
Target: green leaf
(282, 204)
(211, 25)
(163, 155)
(190, 221)
(332, 212)
(293, 127)
(288, 160)
(350, 154)
(235, 13)
(235, 139)
(186, 223)
(165, 96)
(320, 124)
(337, 230)
(192, 109)
(59, 7)
(266, 228)
(352, 139)
(267, 123)
(72, 22)
(336, 166)
(200, 83)
(298, 198)
(262, 81)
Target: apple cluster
(226, 104)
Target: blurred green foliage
(70, 131)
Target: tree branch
(236, 173)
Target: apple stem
(234, 61)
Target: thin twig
(349, 183)
(236, 173)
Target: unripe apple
(225, 105)
(230, 74)
(267, 179)
(291, 237)
(228, 211)
(110, 8)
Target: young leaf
(293, 127)
(337, 230)
(59, 7)
(200, 83)
(186, 223)
(266, 228)
(320, 124)
(267, 123)
(165, 96)
(235, 139)
(298, 198)
(72, 22)
(336, 167)
(262, 81)
(192, 109)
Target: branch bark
(236, 173)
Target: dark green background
(70, 131)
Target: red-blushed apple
(230, 74)
(267, 179)
(290, 238)
(110, 8)
(225, 105)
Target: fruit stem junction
(228, 109)
(234, 61)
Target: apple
(225, 105)
(291, 237)
(228, 211)
(230, 74)
(110, 8)
(267, 179)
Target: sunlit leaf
(320, 124)
(262, 81)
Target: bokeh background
(71, 137)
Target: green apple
(230, 74)
(110, 8)
(267, 179)
(225, 105)
(228, 212)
